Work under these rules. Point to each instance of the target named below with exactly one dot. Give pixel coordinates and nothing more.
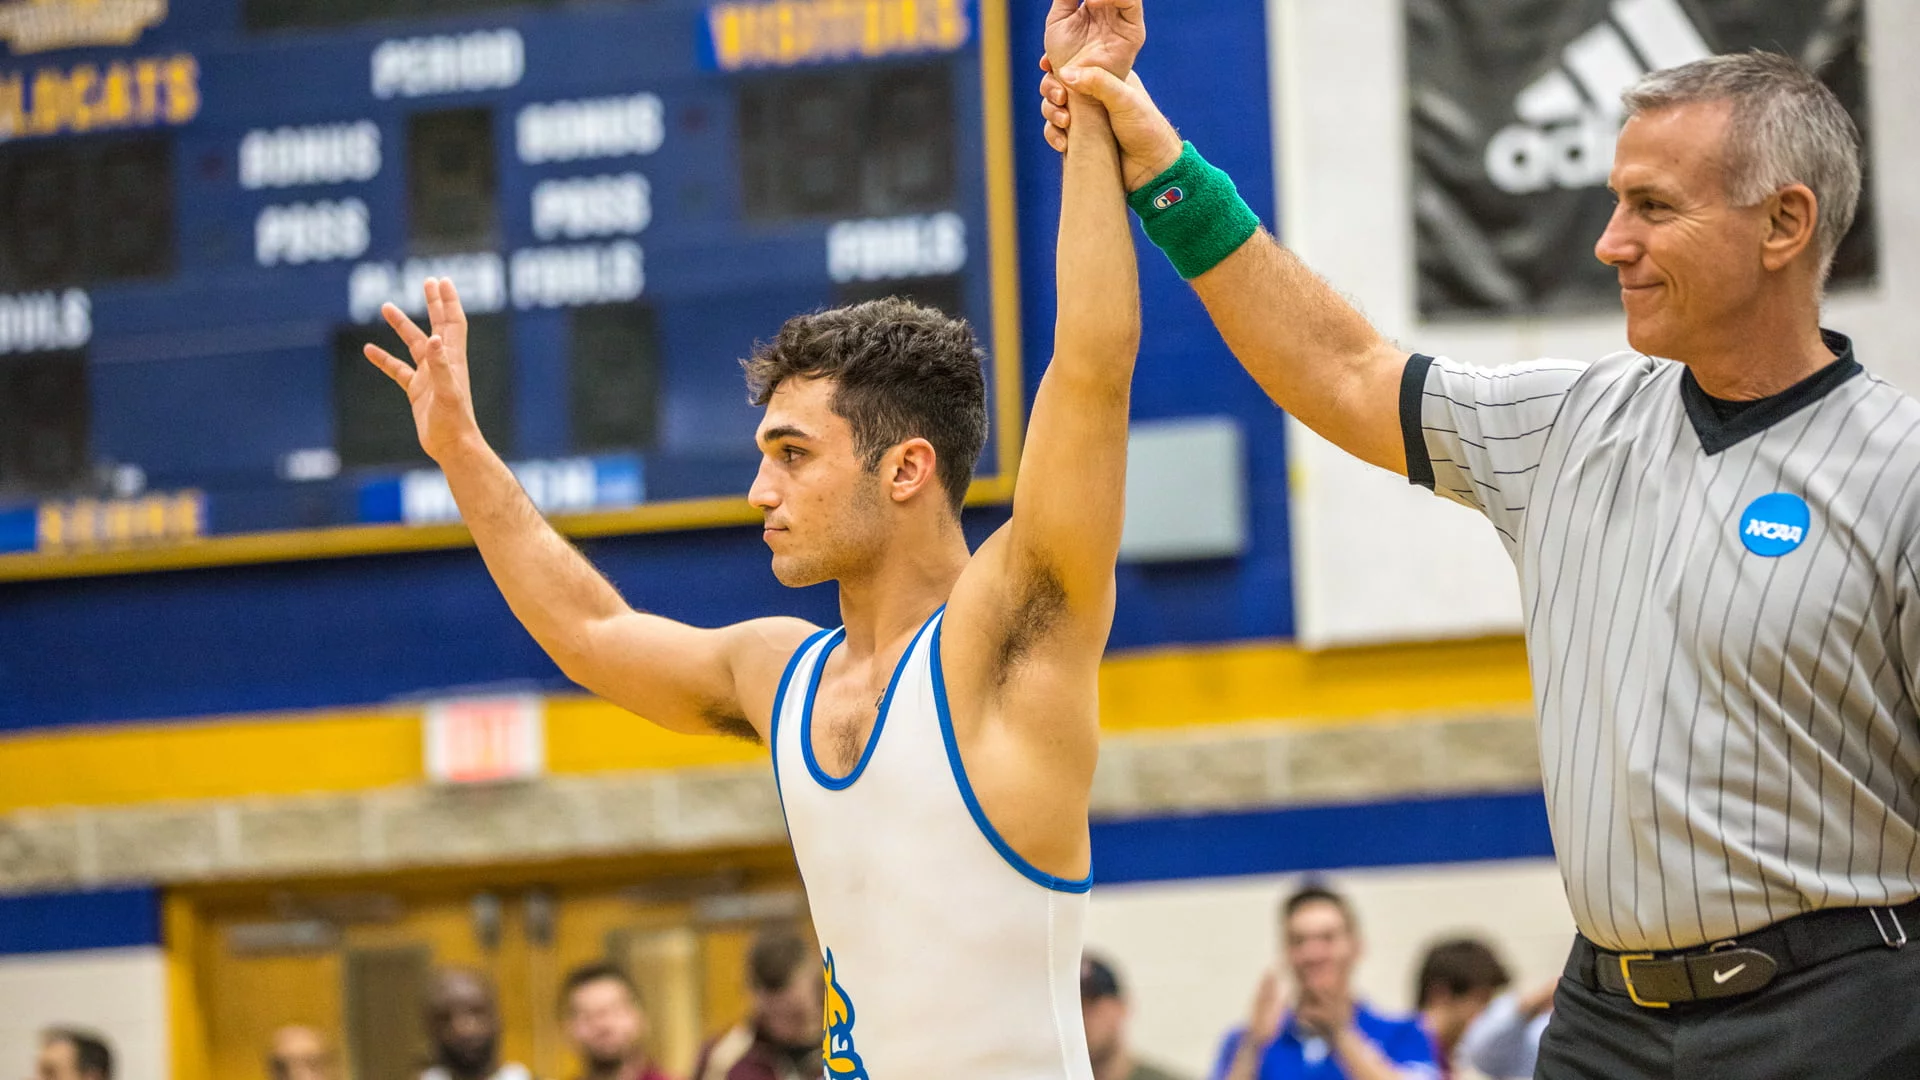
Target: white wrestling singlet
(947, 955)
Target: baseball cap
(1097, 979)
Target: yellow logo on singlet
(843, 1061)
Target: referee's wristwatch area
(1744, 966)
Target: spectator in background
(463, 1020)
(1104, 1008)
(1504, 1041)
(298, 1052)
(780, 1040)
(606, 1024)
(73, 1054)
(1457, 980)
(1324, 1033)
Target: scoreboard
(204, 203)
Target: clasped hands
(1090, 49)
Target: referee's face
(1689, 261)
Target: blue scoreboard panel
(204, 203)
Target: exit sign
(478, 740)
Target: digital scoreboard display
(204, 204)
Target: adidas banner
(1516, 105)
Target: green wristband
(1194, 214)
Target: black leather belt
(1744, 965)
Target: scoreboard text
(202, 212)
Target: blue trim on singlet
(780, 703)
(820, 776)
(1027, 869)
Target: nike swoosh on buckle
(1720, 977)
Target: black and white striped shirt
(1723, 627)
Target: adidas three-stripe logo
(1570, 117)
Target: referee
(1718, 556)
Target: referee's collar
(1757, 416)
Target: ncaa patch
(1168, 197)
(1775, 524)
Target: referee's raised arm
(1313, 354)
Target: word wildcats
(160, 91)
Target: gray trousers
(1852, 1018)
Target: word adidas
(1570, 117)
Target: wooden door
(353, 959)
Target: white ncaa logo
(1774, 530)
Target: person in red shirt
(780, 1039)
(607, 1025)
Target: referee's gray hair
(1787, 128)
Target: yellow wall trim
(1266, 681)
(186, 1023)
(364, 749)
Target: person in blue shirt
(1322, 1033)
